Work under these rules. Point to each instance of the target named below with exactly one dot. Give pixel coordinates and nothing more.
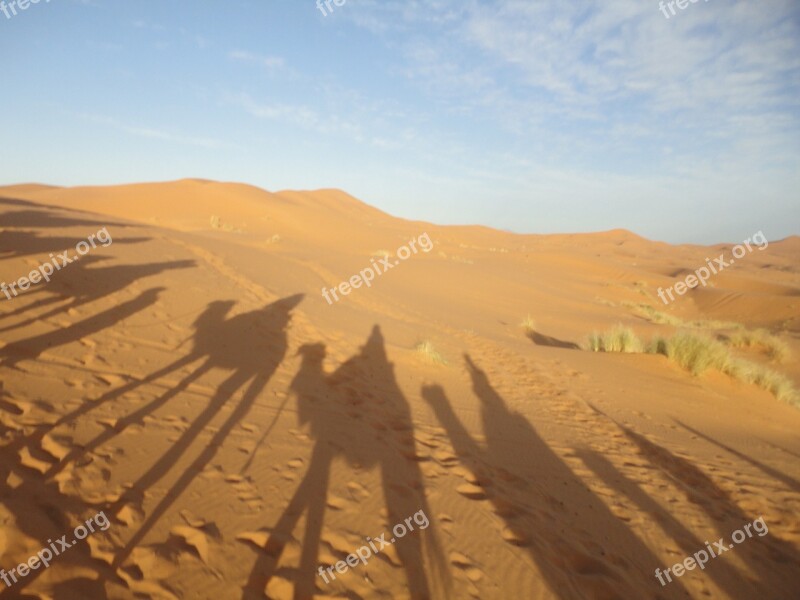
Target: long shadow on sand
(251, 346)
(40, 217)
(17, 244)
(775, 563)
(41, 510)
(358, 413)
(546, 508)
(85, 285)
(724, 573)
(790, 482)
(545, 340)
(32, 348)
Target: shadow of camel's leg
(133, 418)
(311, 494)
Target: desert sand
(190, 381)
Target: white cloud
(270, 62)
(558, 70)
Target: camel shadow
(86, 285)
(776, 563)
(32, 348)
(790, 482)
(251, 346)
(548, 511)
(358, 414)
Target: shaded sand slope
(190, 381)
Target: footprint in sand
(445, 458)
(516, 538)
(473, 492)
(465, 565)
(194, 538)
(357, 491)
(246, 491)
(30, 461)
(336, 502)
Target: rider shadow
(548, 511)
(357, 414)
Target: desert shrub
(595, 342)
(658, 345)
(697, 353)
(617, 339)
(778, 385)
(775, 347)
(428, 353)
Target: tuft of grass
(776, 348)
(428, 353)
(528, 324)
(594, 342)
(778, 385)
(715, 325)
(699, 353)
(658, 345)
(696, 353)
(604, 301)
(617, 339)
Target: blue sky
(529, 116)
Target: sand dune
(190, 381)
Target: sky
(533, 117)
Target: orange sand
(191, 381)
